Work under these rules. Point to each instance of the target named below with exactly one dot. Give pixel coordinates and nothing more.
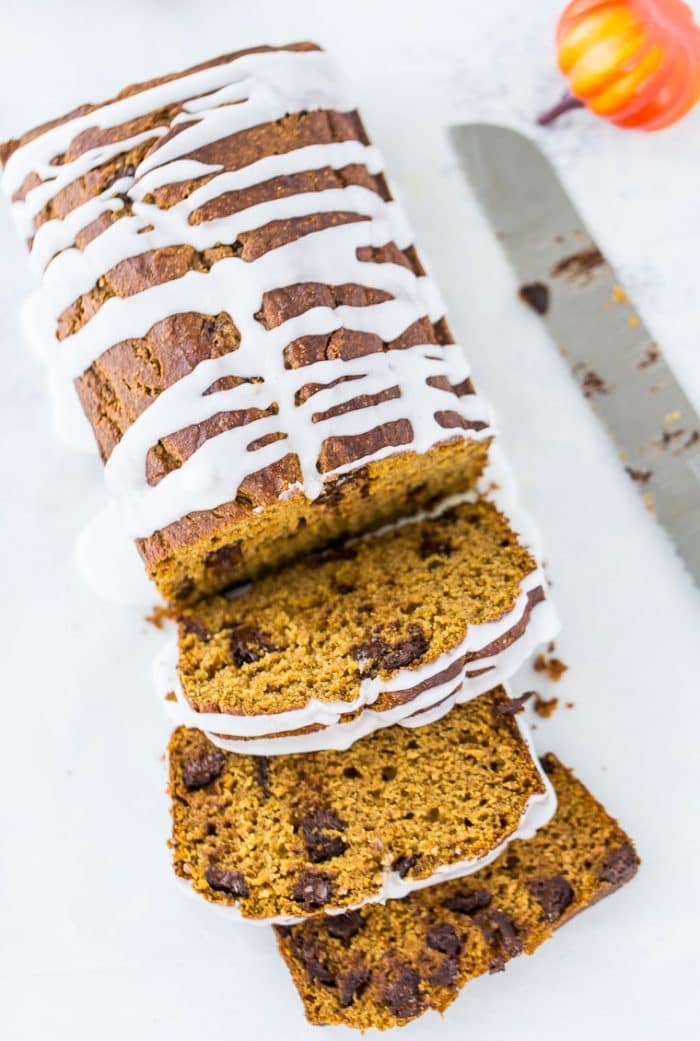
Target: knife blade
(618, 365)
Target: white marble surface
(95, 940)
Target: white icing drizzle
(224, 100)
(538, 811)
(308, 76)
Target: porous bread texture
(385, 965)
(395, 600)
(267, 520)
(295, 835)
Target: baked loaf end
(295, 835)
(388, 964)
(235, 295)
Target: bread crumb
(536, 296)
(159, 616)
(650, 356)
(545, 707)
(640, 476)
(554, 667)
(591, 382)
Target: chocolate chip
(497, 964)
(198, 773)
(350, 984)
(319, 845)
(402, 996)
(508, 933)
(224, 558)
(313, 889)
(548, 764)
(536, 294)
(512, 705)
(620, 866)
(324, 847)
(554, 894)
(434, 546)
(309, 953)
(370, 653)
(192, 627)
(261, 768)
(404, 864)
(442, 937)
(468, 901)
(345, 926)
(248, 644)
(224, 881)
(184, 590)
(445, 974)
(407, 651)
(377, 652)
(322, 817)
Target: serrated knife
(614, 358)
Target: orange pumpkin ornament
(633, 62)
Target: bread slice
(283, 838)
(401, 623)
(385, 965)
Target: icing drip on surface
(110, 563)
(539, 811)
(215, 103)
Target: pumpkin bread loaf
(383, 966)
(236, 297)
(291, 836)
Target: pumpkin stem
(566, 104)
